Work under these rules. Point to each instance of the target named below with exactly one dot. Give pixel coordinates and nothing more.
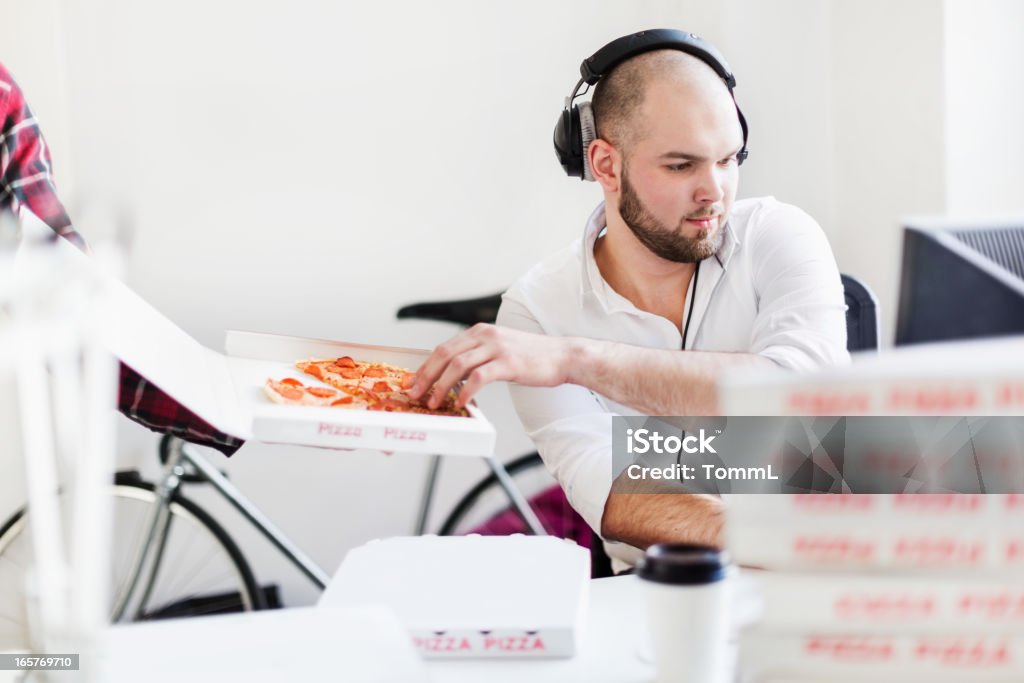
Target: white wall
(307, 168)
(779, 53)
(984, 106)
(888, 155)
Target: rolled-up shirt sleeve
(570, 427)
(801, 316)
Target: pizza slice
(290, 391)
(370, 386)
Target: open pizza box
(226, 389)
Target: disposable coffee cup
(687, 595)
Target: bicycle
(171, 557)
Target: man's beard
(668, 243)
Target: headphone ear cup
(566, 139)
(588, 133)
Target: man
(26, 181)
(669, 261)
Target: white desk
(304, 644)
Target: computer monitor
(961, 281)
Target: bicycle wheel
(201, 569)
(487, 498)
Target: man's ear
(605, 164)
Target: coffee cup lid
(683, 564)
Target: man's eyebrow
(695, 157)
(682, 155)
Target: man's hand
(485, 354)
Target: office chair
(862, 312)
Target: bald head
(619, 98)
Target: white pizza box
(253, 357)
(822, 544)
(226, 390)
(983, 377)
(985, 658)
(887, 512)
(887, 604)
(473, 596)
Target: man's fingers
(458, 367)
(435, 364)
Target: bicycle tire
(466, 503)
(252, 595)
(128, 486)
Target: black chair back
(861, 315)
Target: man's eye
(728, 161)
(679, 167)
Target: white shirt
(773, 289)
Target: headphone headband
(576, 127)
(619, 50)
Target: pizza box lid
(226, 390)
(473, 596)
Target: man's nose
(709, 185)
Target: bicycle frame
(181, 454)
(150, 553)
(516, 498)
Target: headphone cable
(693, 299)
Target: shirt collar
(591, 280)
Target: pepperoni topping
(408, 379)
(344, 400)
(345, 362)
(333, 368)
(322, 392)
(349, 373)
(382, 386)
(314, 370)
(374, 372)
(292, 381)
(289, 392)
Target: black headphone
(576, 129)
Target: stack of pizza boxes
(902, 587)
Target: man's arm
(653, 381)
(643, 519)
(571, 428)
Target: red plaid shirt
(25, 176)
(26, 180)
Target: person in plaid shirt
(26, 181)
